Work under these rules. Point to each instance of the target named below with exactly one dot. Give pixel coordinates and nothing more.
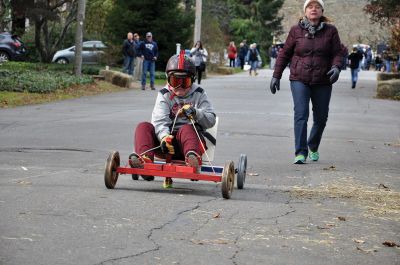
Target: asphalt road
(55, 209)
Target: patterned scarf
(312, 29)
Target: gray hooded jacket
(168, 104)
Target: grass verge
(14, 99)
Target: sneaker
(314, 156)
(167, 183)
(143, 87)
(299, 159)
(135, 161)
(152, 87)
(193, 160)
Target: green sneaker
(299, 159)
(167, 183)
(314, 156)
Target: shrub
(38, 78)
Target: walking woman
(200, 57)
(314, 51)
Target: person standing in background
(273, 53)
(149, 53)
(355, 57)
(242, 54)
(253, 58)
(199, 55)
(138, 62)
(129, 52)
(232, 53)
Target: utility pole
(197, 21)
(80, 19)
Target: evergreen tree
(256, 21)
(166, 19)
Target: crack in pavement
(27, 149)
(150, 234)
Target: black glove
(334, 74)
(274, 86)
(167, 146)
(189, 111)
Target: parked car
(11, 47)
(91, 53)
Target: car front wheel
(62, 61)
(4, 57)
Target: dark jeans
(199, 74)
(241, 63)
(185, 140)
(231, 62)
(128, 65)
(320, 96)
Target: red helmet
(181, 64)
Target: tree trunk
(18, 16)
(80, 19)
(3, 10)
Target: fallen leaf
(24, 182)
(350, 141)
(221, 241)
(367, 250)
(197, 242)
(333, 168)
(359, 241)
(341, 218)
(383, 186)
(217, 215)
(323, 227)
(390, 244)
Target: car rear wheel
(62, 60)
(4, 57)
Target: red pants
(185, 140)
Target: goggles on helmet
(176, 81)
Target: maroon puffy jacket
(310, 58)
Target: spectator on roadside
(360, 52)
(355, 57)
(242, 55)
(199, 55)
(232, 53)
(368, 58)
(253, 58)
(246, 47)
(138, 62)
(129, 52)
(149, 53)
(378, 63)
(314, 67)
(273, 54)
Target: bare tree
(48, 16)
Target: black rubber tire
(110, 173)
(4, 56)
(228, 179)
(135, 176)
(62, 60)
(241, 171)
